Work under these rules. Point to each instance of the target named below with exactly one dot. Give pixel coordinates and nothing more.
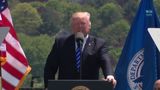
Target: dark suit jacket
(62, 57)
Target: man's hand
(110, 78)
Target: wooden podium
(79, 85)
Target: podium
(79, 85)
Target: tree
(51, 21)
(37, 4)
(110, 13)
(115, 34)
(130, 9)
(57, 5)
(157, 5)
(94, 3)
(70, 9)
(26, 18)
(12, 3)
(36, 49)
(62, 12)
(114, 54)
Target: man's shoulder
(63, 35)
(97, 39)
(99, 42)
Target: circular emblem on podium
(134, 73)
(80, 88)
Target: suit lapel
(70, 48)
(89, 47)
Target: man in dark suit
(84, 64)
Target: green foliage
(72, 7)
(114, 54)
(58, 16)
(36, 49)
(57, 5)
(37, 81)
(157, 5)
(12, 3)
(27, 19)
(130, 9)
(27, 81)
(51, 21)
(110, 13)
(115, 34)
(93, 3)
(37, 4)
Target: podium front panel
(79, 85)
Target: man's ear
(89, 25)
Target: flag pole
(2, 61)
(0, 74)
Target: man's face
(81, 25)
(157, 85)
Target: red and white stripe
(16, 66)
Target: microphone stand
(80, 45)
(81, 59)
(79, 39)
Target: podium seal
(134, 73)
(80, 88)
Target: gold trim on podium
(80, 88)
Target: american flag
(16, 66)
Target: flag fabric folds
(137, 65)
(16, 66)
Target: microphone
(79, 38)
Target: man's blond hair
(81, 15)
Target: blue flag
(137, 68)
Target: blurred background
(37, 22)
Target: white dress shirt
(84, 42)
